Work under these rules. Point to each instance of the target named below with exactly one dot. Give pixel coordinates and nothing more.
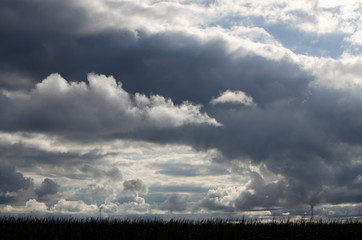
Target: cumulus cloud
(346, 75)
(35, 207)
(73, 207)
(220, 199)
(67, 207)
(138, 206)
(102, 106)
(235, 97)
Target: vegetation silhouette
(90, 228)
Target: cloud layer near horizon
(272, 122)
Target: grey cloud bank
(254, 108)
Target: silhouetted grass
(61, 228)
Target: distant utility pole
(100, 213)
(312, 210)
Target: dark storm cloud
(31, 32)
(12, 181)
(170, 64)
(47, 188)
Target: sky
(184, 108)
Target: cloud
(113, 174)
(189, 170)
(11, 180)
(179, 188)
(138, 206)
(73, 207)
(220, 199)
(317, 16)
(135, 186)
(79, 207)
(35, 207)
(175, 202)
(235, 97)
(104, 107)
(339, 210)
(310, 16)
(25, 155)
(47, 188)
(12, 184)
(167, 63)
(355, 38)
(346, 74)
(14, 81)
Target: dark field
(26, 228)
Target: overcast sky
(193, 108)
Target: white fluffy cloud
(221, 198)
(102, 106)
(34, 206)
(236, 97)
(65, 206)
(342, 73)
(356, 38)
(137, 206)
(312, 16)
